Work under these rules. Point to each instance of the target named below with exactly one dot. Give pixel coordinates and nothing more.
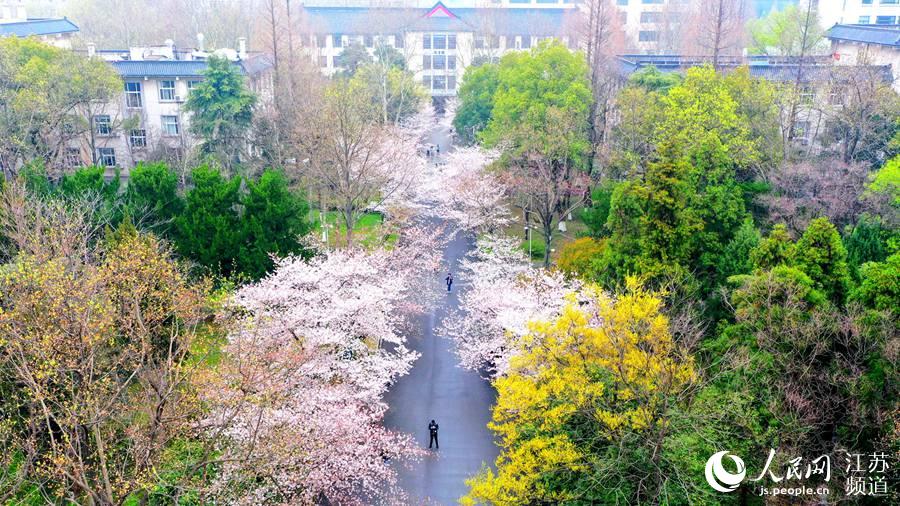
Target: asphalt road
(437, 388)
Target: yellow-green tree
(592, 387)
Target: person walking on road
(437, 148)
(449, 281)
(432, 430)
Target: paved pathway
(437, 388)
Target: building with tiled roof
(14, 22)
(437, 42)
(867, 45)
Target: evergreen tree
(821, 255)
(151, 198)
(209, 229)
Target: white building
(437, 42)
(864, 12)
(148, 121)
(14, 22)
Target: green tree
(596, 215)
(48, 96)
(90, 182)
(476, 100)
(821, 255)
(209, 229)
(539, 117)
(735, 258)
(394, 91)
(222, 112)
(879, 284)
(352, 58)
(791, 31)
(776, 249)
(273, 221)
(151, 198)
(652, 79)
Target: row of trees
(230, 226)
(732, 292)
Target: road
(437, 388)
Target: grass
(575, 228)
(369, 230)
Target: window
(170, 125)
(806, 94)
(138, 138)
(321, 40)
(621, 2)
(451, 82)
(451, 42)
(107, 157)
(438, 82)
(451, 62)
(193, 84)
(623, 17)
(426, 82)
(884, 20)
(867, 2)
(864, 20)
(648, 36)
(337, 40)
(526, 41)
(369, 41)
(479, 42)
(102, 124)
(323, 61)
(439, 42)
(426, 62)
(650, 17)
(651, 1)
(438, 62)
(891, 2)
(426, 41)
(398, 40)
(801, 131)
(133, 95)
(167, 91)
(72, 158)
(836, 96)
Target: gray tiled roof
(885, 35)
(363, 20)
(38, 26)
(813, 70)
(163, 68)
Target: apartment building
(148, 120)
(14, 22)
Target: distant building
(148, 121)
(863, 12)
(823, 85)
(437, 42)
(867, 44)
(14, 22)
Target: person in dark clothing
(432, 430)
(449, 281)
(438, 149)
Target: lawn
(369, 230)
(575, 228)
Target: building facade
(437, 42)
(867, 45)
(863, 12)
(148, 120)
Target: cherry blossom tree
(298, 394)
(505, 293)
(461, 189)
